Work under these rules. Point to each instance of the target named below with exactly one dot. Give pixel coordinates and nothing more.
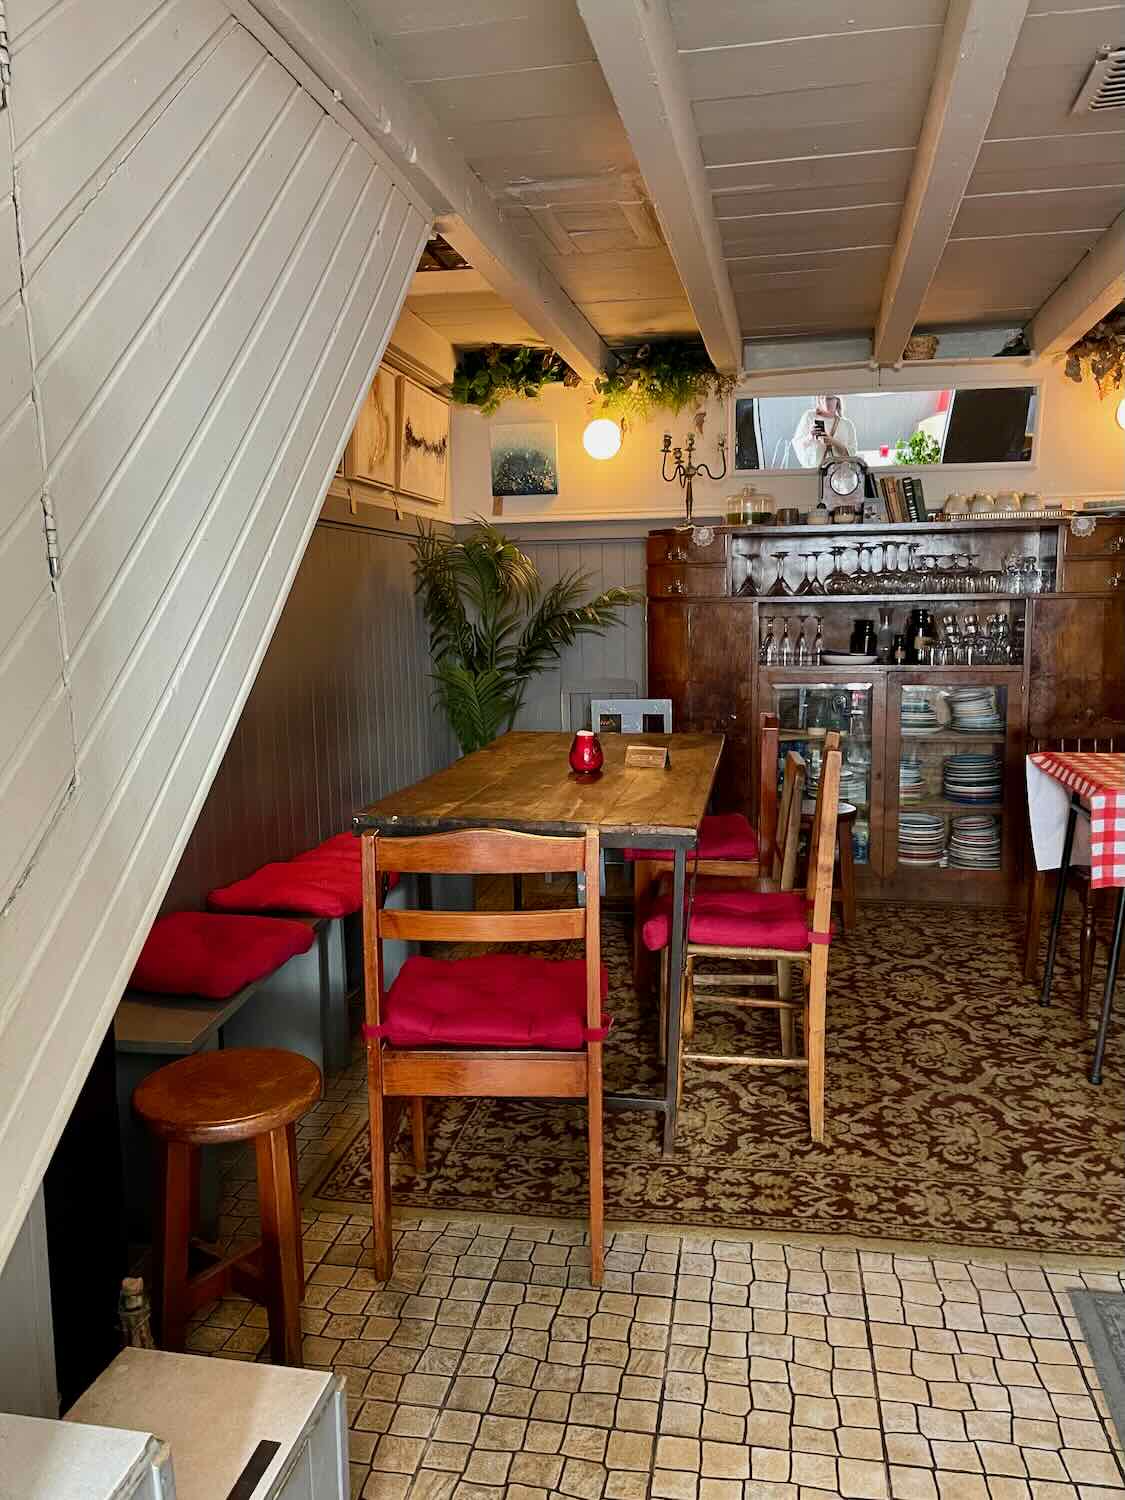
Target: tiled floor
(704, 1369)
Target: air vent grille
(1105, 83)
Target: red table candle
(586, 754)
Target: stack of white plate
(918, 715)
(975, 710)
(853, 783)
(975, 842)
(921, 838)
(972, 778)
(911, 781)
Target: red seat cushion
(330, 886)
(206, 953)
(721, 836)
(735, 919)
(489, 1000)
(346, 847)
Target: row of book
(902, 497)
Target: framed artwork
(423, 424)
(372, 451)
(524, 458)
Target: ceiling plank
(977, 44)
(637, 50)
(1096, 284)
(330, 50)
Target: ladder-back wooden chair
(495, 1025)
(729, 845)
(1098, 736)
(779, 927)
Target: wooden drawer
(1090, 575)
(1106, 540)
(681, 547)
(666, 579)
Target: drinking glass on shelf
(810, 583)
(888, 572)
(838, 581)
(779, 589)
(747, 588)
(803, 657)
(818, 642)
(767, 651)
(785, 649)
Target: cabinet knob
(1115, 580)
(675, 555)
(675, 587)
(1118, 544)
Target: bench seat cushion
(330, 886)
(489, 1000)
(735, 919)
(721, 836)
(214, 955)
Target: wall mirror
(959, 426)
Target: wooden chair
(495, 1025)
(843, 891)
(1106, 736)
(213, 1098)
(728, 846)
(780, 928)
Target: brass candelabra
(684, 472)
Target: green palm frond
(493, 625)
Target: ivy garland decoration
(666, 375)
(1103, 351)
(485, 378)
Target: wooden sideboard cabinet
(1066, 666)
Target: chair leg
(281, 1239)
(687, 1023)
(291, 1132)
(597, 1160)
(381, 1244)
(847, 874)
(815, 1006)
(1087, 945)
(1036, 895)
(173, 1232)
(418, 1133)
(664, 1005)
(785, 1018)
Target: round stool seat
(231, 1095)
(845, 811)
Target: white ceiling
(808, 113)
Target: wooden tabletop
(522, 781)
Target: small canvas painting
(524, 458)
(371, 453)
(423, 442)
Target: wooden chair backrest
(822, 837)
(480, 851)
(786, 849)
(1102, 736)
(769, 730)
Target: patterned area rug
(958, 1111)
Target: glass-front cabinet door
(809, 704)
(953, 821)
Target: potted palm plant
(494, 624)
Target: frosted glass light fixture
(1121, 413)
(602, 438)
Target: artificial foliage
(1102, 352)
(665, 375)
(494, 624)
(919, 448)
(485, 378)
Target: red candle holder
(586, 756)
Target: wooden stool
(211, 1099)
(845, 859)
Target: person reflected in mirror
(824, 433)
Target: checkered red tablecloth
(1100, 781)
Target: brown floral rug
(958, 1111)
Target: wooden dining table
(522, 781)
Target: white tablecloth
(1048, 806)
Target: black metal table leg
(1110, 980)
(1060, 900)
(675, 987)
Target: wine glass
(804, 650)
(810, 583)
(767, 651)
(779, 589)
(838, 582)
(785, 649)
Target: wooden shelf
(882, 600)
(878, 528)
(953, 738)
(944, 804)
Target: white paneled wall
(208, 269)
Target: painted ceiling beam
(636, 47)
(976, 48)
(331, 49)
(1096, 285)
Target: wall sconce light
(1121, 413)
(602, 438)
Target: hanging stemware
(779, 588)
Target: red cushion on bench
(346, 847)
(330, 886)
(735, 919)
(205, 953)
(489, 1000)
(721, 836)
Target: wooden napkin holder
(647, 757)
